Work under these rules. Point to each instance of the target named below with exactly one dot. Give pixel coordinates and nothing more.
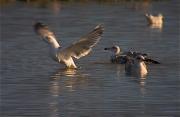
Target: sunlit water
(34, 85)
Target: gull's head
(38, 26)
(115, 49)
(140, 58)
(147, 15)
(130, 53)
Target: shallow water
(34, 85)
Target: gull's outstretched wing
(43, 31)
(149, 60)
(83, 46)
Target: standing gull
(76, 50)
(117, 55)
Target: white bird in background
(155, 21)
(76, 50)
(120, 57)
(136, 66)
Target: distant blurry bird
(155, 20)
(120, 57)
(76, 50)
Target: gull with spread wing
(136, 66)
(158, 20)
(76, 50)
(120, 57)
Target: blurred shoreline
(47, 2)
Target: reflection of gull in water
(63, 80)
(76, 50)
(141, 81)
(155, 21)
(156, 26)
(69, 77)
(121, 57)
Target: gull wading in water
(117, 56)
(155, 21)
(76, 50)
(120, 57)
(136, 66)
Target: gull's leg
(70, 63)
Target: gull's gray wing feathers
(83, 46)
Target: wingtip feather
(147, 15)
(99, 26)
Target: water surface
(34, 85)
